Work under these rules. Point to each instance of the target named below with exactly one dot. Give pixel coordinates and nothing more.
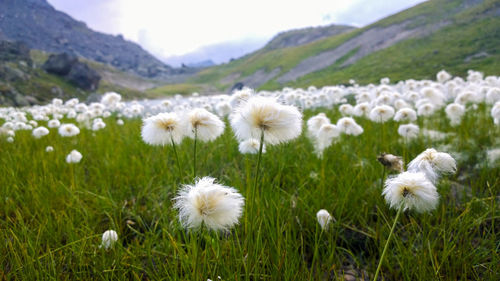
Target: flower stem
(387, 243)
(194, 154)
(257, 171)
(382, 178)
(177, 158)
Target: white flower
(49, 149)
(68, 130)
(381, 113)
(119, 122)
(98, 124)
(206, 125)
(362, 109)
(405, 114)
(348, 126)
(216, 206)
(40, 132)
(10, 139)
(454, 112)
(426, 109)
(346, 109)
(74, 157)
(315, 122)
(411, 191)
(109, 238)
(443, 76)
(54, 123)
(162, 129)
(324, 138)
(433, 163)
(408, 131)
(324, 218)
(251, 146)
(279, 123)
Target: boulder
(60, 64)
(84, 77)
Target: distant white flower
(426, 109)
(162, 129)
(49, 149)
(40, 132)
(493, 95)
(279, 123)
(346, 109)
(68, 130)
(408, 131)
(74, 157)
(119, 122)
(454, 112)
(381, 113)
(443, 76)
(251, 146)
(433, 163)
(98, 124)
(216, 206)
(411, 191)
(348, 126)
(10, 139)
(324, 218)
(109, 238)
(392, 162)
(111, 98)
(54, 123)
(405, 114)
(324, 138)
(362, 109)
(207, 126)
(315, 122)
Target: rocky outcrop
(42, 27)
(304, 36)
(76, 72)
(14, 51)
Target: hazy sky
(169, 28)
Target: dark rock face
(59, 64)
(14, 51)
(83, 77)
(76, 72)
(42, 27)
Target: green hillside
(453, 35)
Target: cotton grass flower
(324, 218)
(409, 131)
(381, 113)
(405, 114)
(324, 138)
(314, 124)
(68, 130)
(348, 126)
(454, 112)
(204, 125)
(109, 238)
(40, 132)
(54, 123)
(433, 163)
(49, 149)
(411, 191)
(264, 116)
(251, 146)
(163, 129)
(210, 204)
(392, 162)
(74, 157)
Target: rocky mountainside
(304, 36)
(40, 26)
(455, 35)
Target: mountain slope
(40, 26)
(415, 43)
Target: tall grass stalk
(387, 243)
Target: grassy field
(52, 214)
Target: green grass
(52, 214)
(173, 89)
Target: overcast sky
(172, 28)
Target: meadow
(53, 213)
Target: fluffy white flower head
(411, 191)
(162, 129)
(109, 238)
(381, 113)
(74, 157)
(208, 126)
(68, 130)
(279, 123)
(251, 146)
(216, 206)
(408, 131)
(324, 218)
(405, 114)
(348, 126)
(433, 163)
(40, 132)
